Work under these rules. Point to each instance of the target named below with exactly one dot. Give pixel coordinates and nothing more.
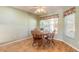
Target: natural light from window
(49, 24)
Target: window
(50, 24)
(70, 23)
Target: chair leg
(39, 43)
(34, 42)
(48, 41)
(53, 42)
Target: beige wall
(38, 21)
(77, 26)
(60, 25)
(15, 24)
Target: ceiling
(31, 9)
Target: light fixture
(40, 10)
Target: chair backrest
(53, 34)
(33, 34)
(36, 34)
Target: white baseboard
(15, 41)
(68, 44)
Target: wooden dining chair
(52, 37)
(34, 38)
(37, 38)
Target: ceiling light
(40, 11)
